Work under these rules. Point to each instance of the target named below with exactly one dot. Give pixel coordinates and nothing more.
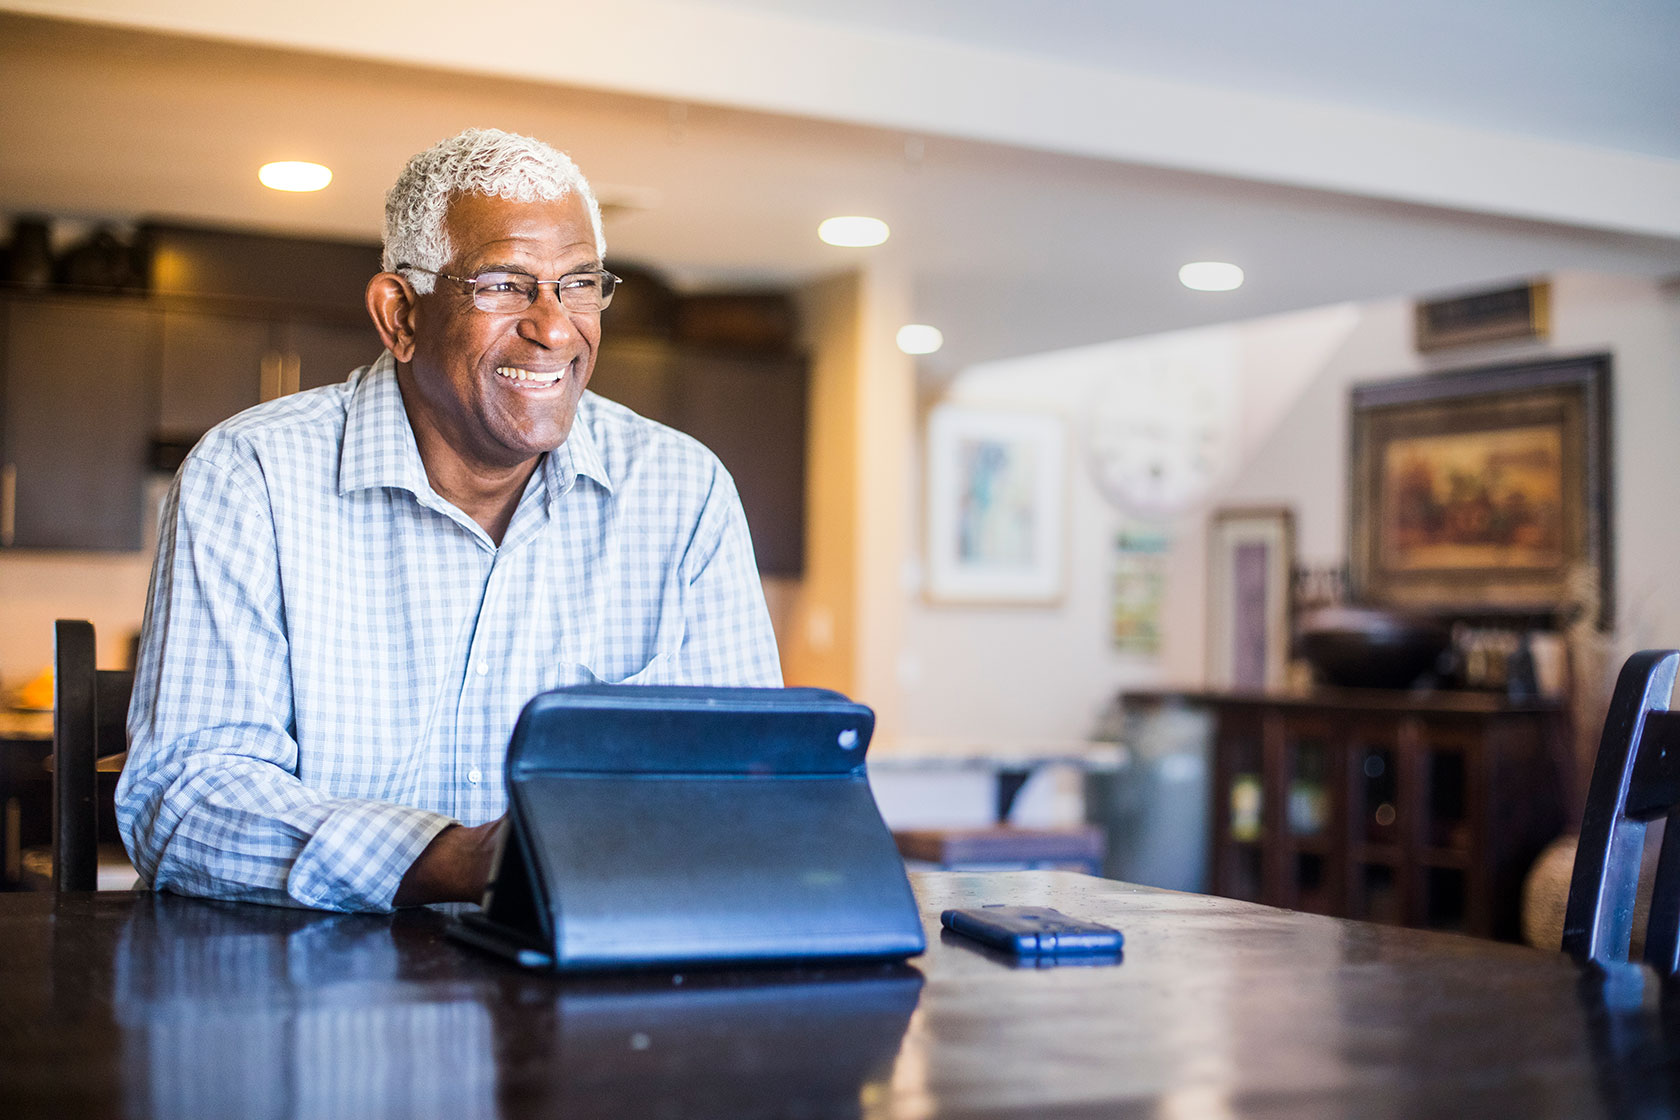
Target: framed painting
(997, 485)
(1484, 492)
(1251, 563)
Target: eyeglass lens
(515, 291)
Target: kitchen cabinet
(101, 391)
(212, 367)
(77, 409)
(323, 352)
(214, 364)
(92, 386)
(748, 408)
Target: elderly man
(358, 587)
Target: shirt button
(483, 669)
(475, 775)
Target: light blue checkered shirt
(334, 656)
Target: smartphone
(1033, 931)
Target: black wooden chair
(1635, 780)
(90, 737)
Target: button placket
(475, 684)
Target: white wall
(1001, 676)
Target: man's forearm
(455, 867)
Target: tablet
(683, 826)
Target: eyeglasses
(502, 291)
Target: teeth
(514, 373)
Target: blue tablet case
(678, 826)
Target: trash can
(1154, 806)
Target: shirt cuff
(360, 853)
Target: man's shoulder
(313, 419)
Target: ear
(390, 303)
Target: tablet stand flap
(680, 826)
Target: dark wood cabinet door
(80, 408)
(1417, 809)
(751, 412)
(321, 353)
(749, 409)
(640, 375)
(212, 367)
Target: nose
(546, 322)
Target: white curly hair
(483, 161)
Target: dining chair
(90, 736)
(1635, 780)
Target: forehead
(484, 229)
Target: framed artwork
(1484, 492)
(997, 487)
(1251, 561)
(1142, 561)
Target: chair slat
(75, 748)
(1636, 779)
(1655, 786)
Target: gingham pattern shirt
(334, 656)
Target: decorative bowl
(1365, 647)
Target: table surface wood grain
(143, 1005)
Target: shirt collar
(578, 455)
(379, 447)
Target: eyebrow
(593, 265)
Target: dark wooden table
(143, 1005)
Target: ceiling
(1597, 74)
(1009, 247)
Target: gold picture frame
(1484, 491)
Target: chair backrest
(90, 716)
(1635, 780)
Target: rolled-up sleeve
(210, 802)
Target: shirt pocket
(662, 669)
(662, 664)
(642, 646)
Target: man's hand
(455, 867)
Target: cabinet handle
(291, 374)
(8, 504)
(271, 375)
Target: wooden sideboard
(1414, 809)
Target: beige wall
(843, 625)
(109, 590)
(819, 636)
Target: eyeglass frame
(472, 284)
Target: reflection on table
(143, 1005)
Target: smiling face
(488, 393)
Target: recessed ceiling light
(1210, 276)
(853, 232)
(294, 175)
(919, 338)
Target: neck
(486, 491)
(487, 495)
